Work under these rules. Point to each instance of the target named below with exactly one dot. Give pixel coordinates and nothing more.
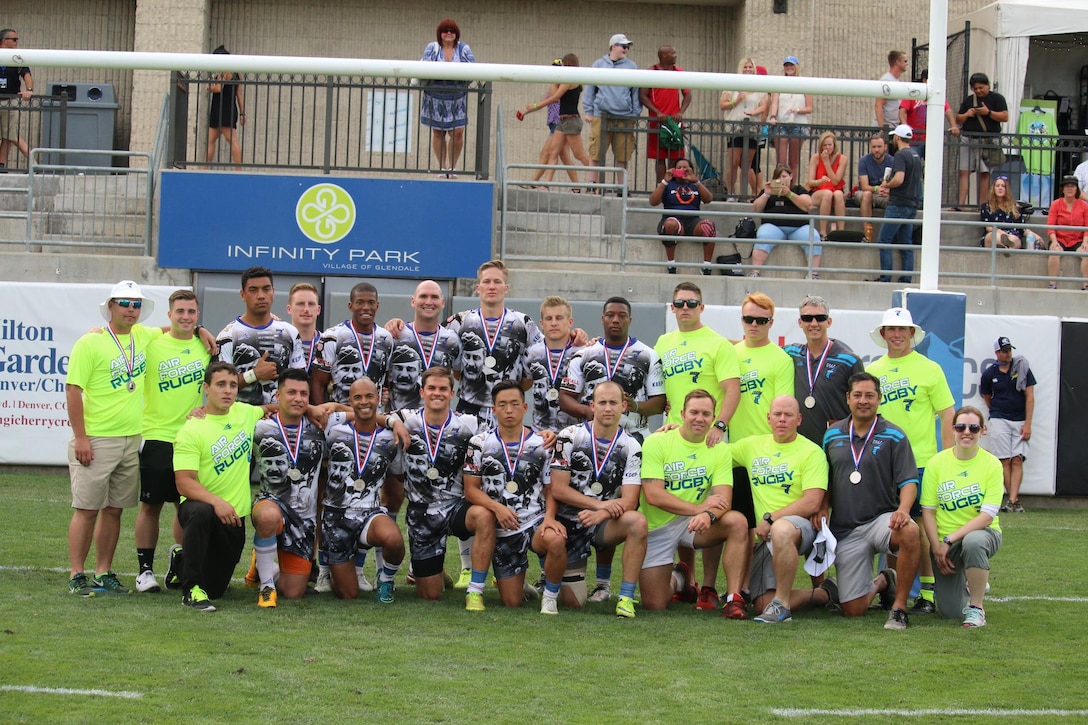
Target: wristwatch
(720, 425)
(947, 540)
(768, 519)
(713, 518)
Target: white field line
(69, 691)
(951, 712)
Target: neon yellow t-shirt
(765, 373)
(218, 448)
(780, 472)
(175, 385)
(957, 489)
(688, 469)
(98, 366)
(912, 390)
(697, 359)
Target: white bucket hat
(897, 317)
(127, 290)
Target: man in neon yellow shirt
(696, 357)
(211, 458)
(175, 363)
(788, 474)
(961, 496)
(104, 394)
(913, 394)
(686, 495)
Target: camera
(679, 174)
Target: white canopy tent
(1001, 35)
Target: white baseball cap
(903, 131)
(127, 290)
(897, 317)
(619, 39)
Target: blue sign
(331, 226)
(943, 315)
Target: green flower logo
(325, 213)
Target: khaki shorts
(761, 575)
(113, 478)
(622, 143)
(9, 124)
(879, 202)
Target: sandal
(1052, 285)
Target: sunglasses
(1001, 178)
(814, 318)
(134, 304)
(690, 304)
(625, 47)
(961, 427)
(749, 320)
(449, 31)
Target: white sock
(466, 552)
(265, 549)
(379, 560)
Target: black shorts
(343, 532)
(688, 223)
(579, 541)
(298, 533)
(742, 495)
(511, 555)
(427, 533)
(737, 142)
(157, 483)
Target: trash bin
(92, 110)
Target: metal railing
(39, 121)
(325, 123)
(89, 207)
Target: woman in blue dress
(444, 107)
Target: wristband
(250, 377)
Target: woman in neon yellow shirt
(961, 495)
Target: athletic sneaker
(81, 585)
(253, 579)
(708, 600)
(923, 606)
(108, 583)
(385, 592)
(474, 602)
(887, 597)
(735, 608)
(549, 605)
(775, 613)
(625, 608)
(1016, 507)
(464, 580)
(447, 580)
(266, 599)
(364, 583)
(688, 592)
(1004, 508)
(146, 582)
(529, 593)
(897, 619)
(830, 586)
(173, 572)
(324, 581)
(197, 598)
(539, 586)
(974, 617)
(600, 593)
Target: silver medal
(489, 362)
(596, 488)
(511, 487)
(855, 477)
(432, 473)
(552, 394)
(359, 485)
(131, 386)
(294, 474)
(810, 402)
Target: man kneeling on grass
(687, 491)
(211, 464)
(596, 478)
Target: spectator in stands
(1069, 209)
(790, 112)
(562, 103)
(764, 131)
(980, 117)
(14, 81)
(913, 113)
(1000, 208)
(1081, 172)
(742, 107)
(444, 106)
(664, 103)
(904, 192)
(783, 207)
(871, 170)
(226, 110)
(827, 179)
(682, 190)
(620, 103)
(887, 109)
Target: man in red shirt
(666, 103)
(913, 113)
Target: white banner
(1036, 338)
(36, 336)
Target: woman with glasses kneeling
(961, 495)
(783, 207)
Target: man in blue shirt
(620, 103)
(871, 168)
(1008, 387)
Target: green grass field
(320, 659)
